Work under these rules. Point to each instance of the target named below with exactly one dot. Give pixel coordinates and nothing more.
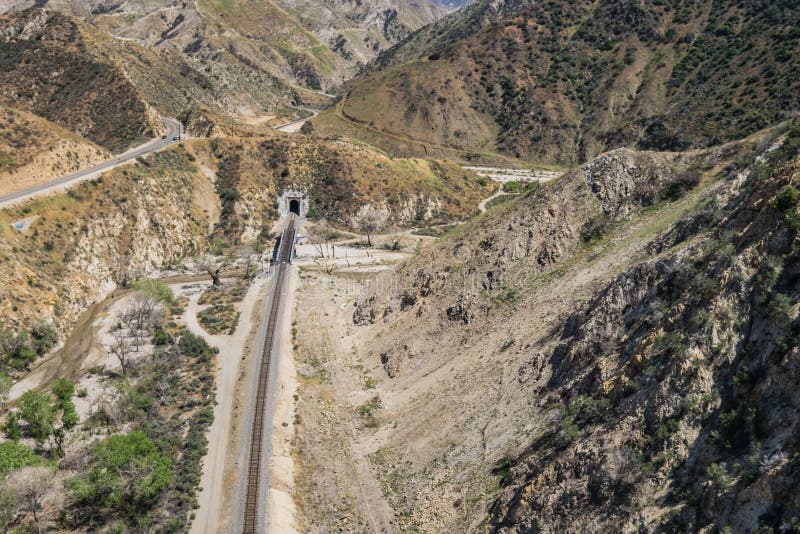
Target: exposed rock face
(589, 199)
(462, 310)
(636, 375)
(623, 178)
(127, 225)
(681, 370)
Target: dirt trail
(212, 514)
(482, 205)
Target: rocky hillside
(46, 68)
(113, 91)
(286, 45)
(564, 81)
(34, 150)
(75, 248)
(615, 351)
(71, 250)
(341, 180)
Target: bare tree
(142, 316)
(328, 263)
(120, 348)
(32, 485)
(369, 221)
(325, 251)
(209, 265)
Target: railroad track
(254, 474)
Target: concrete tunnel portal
(293, 201)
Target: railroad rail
(254, 474)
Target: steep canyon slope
(564, 81)
(616, 351)
(272, 48)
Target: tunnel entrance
(293, 201)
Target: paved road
(173, 129)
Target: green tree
(63, 389)
(158, 290)
(12, 428)
(37, 412)
(128, 474)
(69, 418)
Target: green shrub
(63, 389)
(160, 337)
(666, 429)
(367, 412)
(127, 474)
(781, 308)
(15, 456)
(512, 187)
(502, 466)
(21, 349)
(37, 412)
(672, 344)
(787, 199)
(158, 290)
(43, 337)
(196, 347)
(12, 428)
(595, 228)
(719, 477)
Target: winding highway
(173, 129)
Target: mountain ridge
(563, 82)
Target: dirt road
(212, 515)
